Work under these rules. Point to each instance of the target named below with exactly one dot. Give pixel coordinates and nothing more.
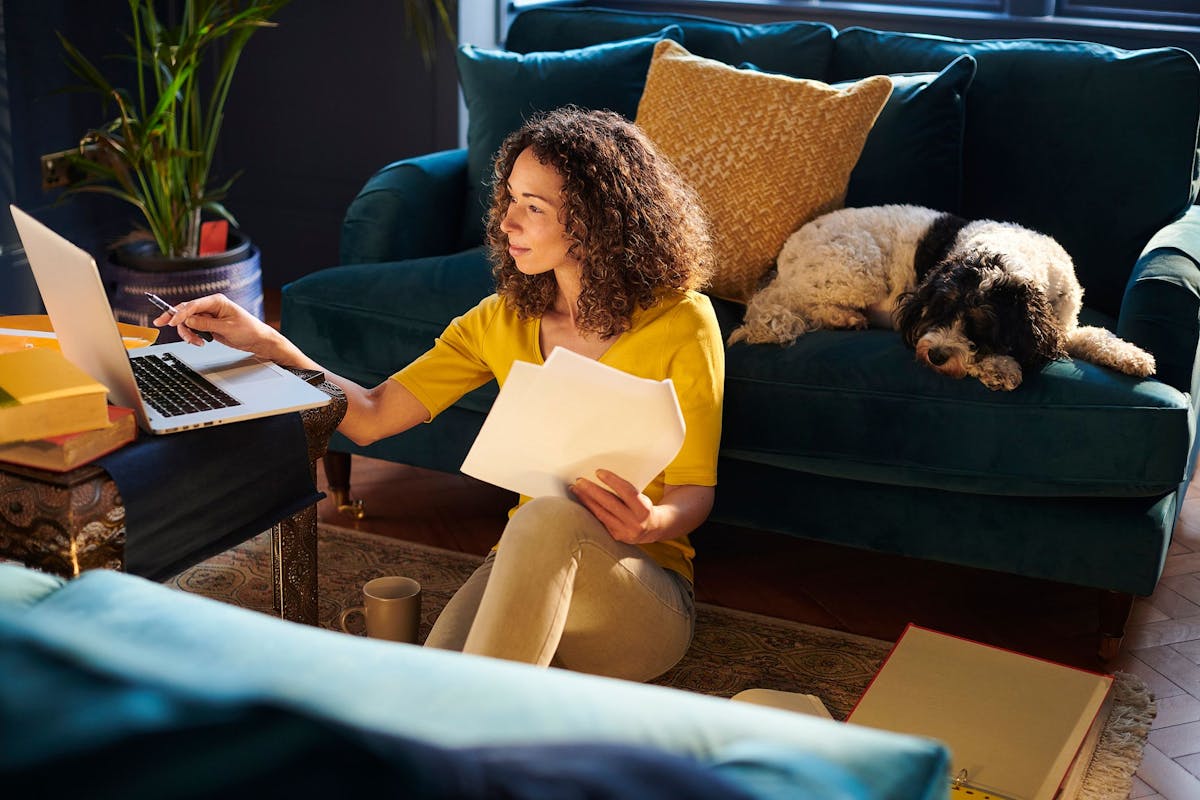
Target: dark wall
(333, 93)
(36, 118)
(321, 102)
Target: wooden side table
(65, 523)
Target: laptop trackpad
(242, 374)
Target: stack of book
(1018, 727)
(54, 415)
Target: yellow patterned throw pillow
(765, 153)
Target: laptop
(171, 387)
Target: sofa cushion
(913, 153)
(180, 645)
(778, 153)
(158, 731)
(1048, 141)
(20, 586)
(799, 49)
(502, 89)
(855, 404)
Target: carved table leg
(337, 472)
(1114, 613)
(294, 540)
(294, 566)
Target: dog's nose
(938, 356)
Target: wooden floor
(875, 595)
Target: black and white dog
(987, 299)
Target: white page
(573, 415)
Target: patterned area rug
(732, 650)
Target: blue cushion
(71, 722)
(161, 645)
(502, 89)
(20, 586)
(799, 49)
(1048, 138)
(914, 151)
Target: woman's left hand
(625, 512)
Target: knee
(546, 520)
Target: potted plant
(157, 152)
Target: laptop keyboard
(173, 388)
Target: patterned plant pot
(236, 273)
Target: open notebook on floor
(1013, 723)
(171, 387)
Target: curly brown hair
(636, 227)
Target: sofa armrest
(409, 209)
(1161, 308)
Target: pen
(163, 305)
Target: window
(1180, 12)
(994, 6)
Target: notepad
(566, 418)
(1013, 723)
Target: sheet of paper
(569, 417)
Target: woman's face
(537, 236)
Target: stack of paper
(565, 419)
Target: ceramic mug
(392, 608)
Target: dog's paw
(999, 373)
(769, 323)
(1142, 365)
(1103, 347)
(838, 318)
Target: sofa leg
(337, 472)
(1114, 613)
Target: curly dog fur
(986, 299)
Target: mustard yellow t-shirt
(678, 339)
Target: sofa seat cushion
(1053, 155)
(365, 321)
(799, 49)
(855, 404)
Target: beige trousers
(561, 591)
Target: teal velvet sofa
(117, 687)
(1077, 476)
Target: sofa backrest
(799, 49)
(1094, 145)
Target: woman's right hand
(229, 323)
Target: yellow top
(678, 339)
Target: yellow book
(43, 394)
(1013, 723)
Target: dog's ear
(1027, 322)
(937, 300)
(906, 316)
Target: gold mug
(392, 608)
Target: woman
(597, 246)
